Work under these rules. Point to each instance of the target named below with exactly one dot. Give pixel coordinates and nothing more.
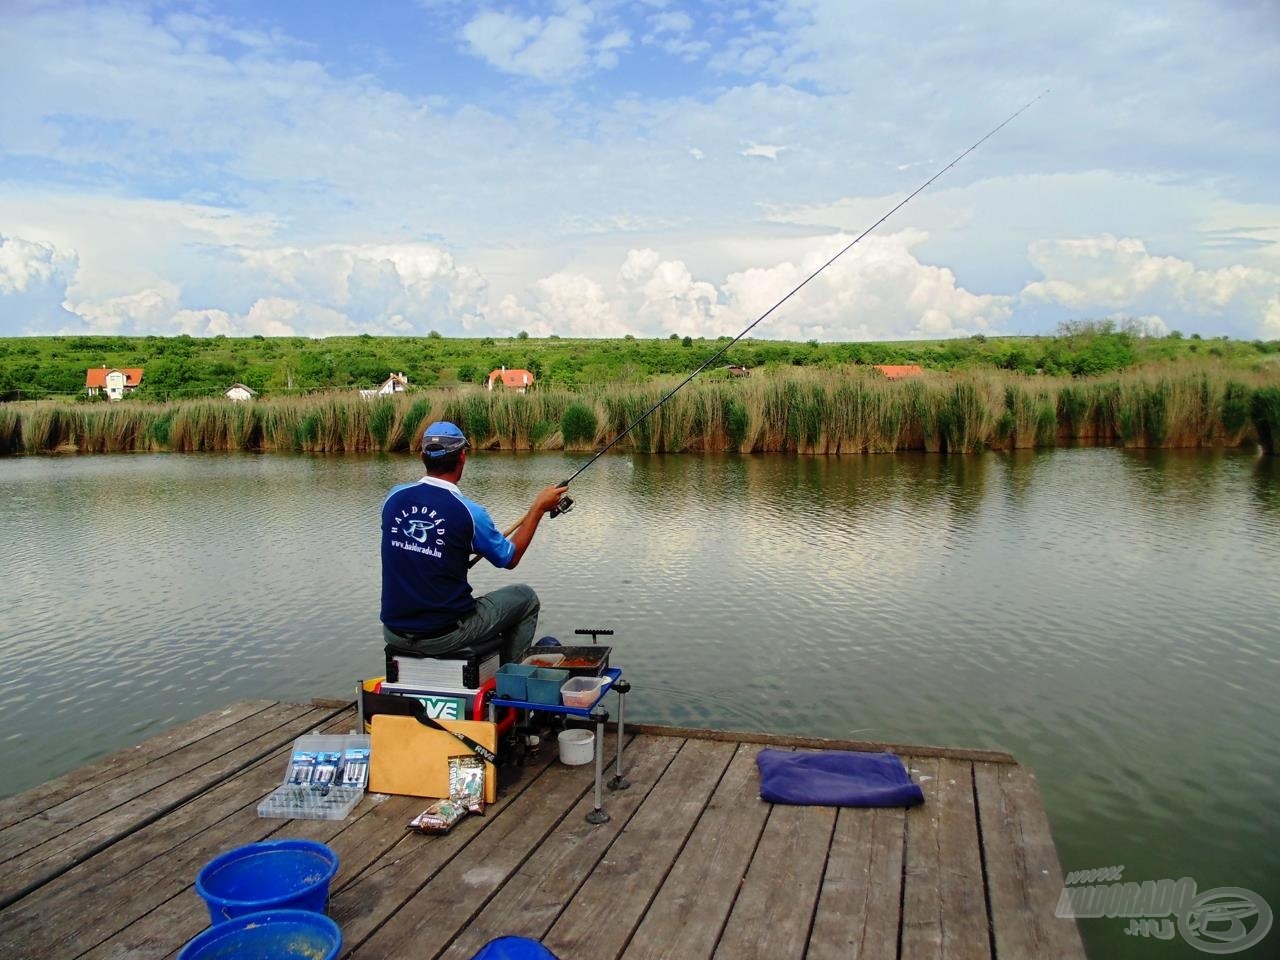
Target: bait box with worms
(589, 661)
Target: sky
(640, 167)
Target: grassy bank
(190, 368)
(806, 411)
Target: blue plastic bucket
(278, 934)
(271, 875)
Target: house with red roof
(114, 381)
(900, 371)
(517, 380)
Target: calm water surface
(1109, 617)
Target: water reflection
(1266, 485)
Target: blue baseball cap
(443, 438)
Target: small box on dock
(325, 779)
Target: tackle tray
(325, 778)
(588, 661)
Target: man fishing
(429, 531)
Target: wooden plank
(383, 889)
(96, 899)
(820, 743)
(83, 779)
(43, 862)
(71, 813)
(599, 920)
(531, 900)
(859, 908)
(1024, 877)
(442, 909)
(944, 909)
(685, 918)
(772, 914)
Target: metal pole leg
(619, 782)
(600, 717)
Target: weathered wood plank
(531, 900)
(74, 811)
(40, 864)
(532, 897)
(859, 909)
(383, 889)
(685, 918)
(125, 882)
(944, 911)
(454, 897)
(609, 905)
(773, 911)
(820, 743)
(1024, 877)
(83, 779)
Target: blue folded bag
(836, 778)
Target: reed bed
(806, 411)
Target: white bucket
(577, 747)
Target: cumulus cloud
(408, 288)
(878, 290)
(1271, 320)
(767, 150)
(544, 48)
(141, 312)
(34, 277)
(573, 303)
(1110, 274)
(388, 288)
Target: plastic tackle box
(325, 779)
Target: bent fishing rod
(566, 502)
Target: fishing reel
(564, 505)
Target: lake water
(1110, 617)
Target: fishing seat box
(467, 667)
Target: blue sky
(644, 167)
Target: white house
(115, 382)
(239, 393)
(396, 383)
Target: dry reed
(809, 411)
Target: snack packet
(466, 783)
(439, 817)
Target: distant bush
(578, 425)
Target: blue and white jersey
(429, 531)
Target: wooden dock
(100, 863)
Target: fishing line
(566, 502)
(800, 286)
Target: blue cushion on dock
(836, 778)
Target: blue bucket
(271, 875)
(279, 934)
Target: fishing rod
(566, 502)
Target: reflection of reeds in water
(806, 411)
